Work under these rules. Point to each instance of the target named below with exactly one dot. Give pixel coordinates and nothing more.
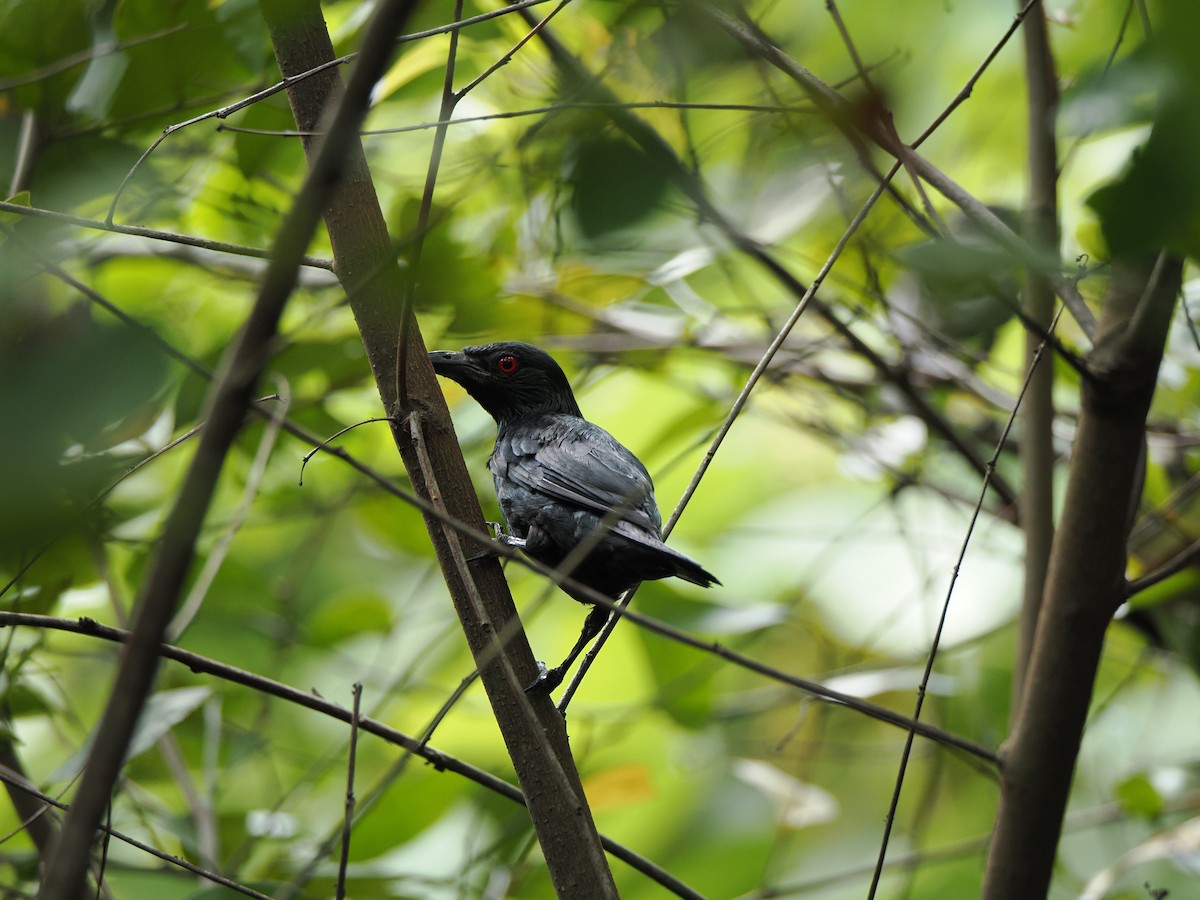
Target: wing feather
(572, 461)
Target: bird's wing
(573, 461)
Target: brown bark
(232, 393)
(1086, 579)
(1037, 409)
(533, 730)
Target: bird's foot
(503, 537)
(546, 681)
(500, 537)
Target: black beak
(453, 364)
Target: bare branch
(1086, 581)
(1037, 417)
(348, 821)
(230, 397)
(840, 113)
(1185, 559)
(154, 234)
(533, 731)
(442, 762)
(937, 637)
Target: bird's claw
(490, 552)
(502, 537)
(546, 681)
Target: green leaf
(1111, 97)
(163, 711)
(1138, 797)
(614, 184)
(349, 614)
(22, 198)
(1156, 202)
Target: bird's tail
(690, 570)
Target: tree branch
(534, 733)
(1086, 579)
(154, 234)
(840, 112)
(228, 401)
(1037, 414)
(442, 762)
(662, 154)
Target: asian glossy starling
(560, 479)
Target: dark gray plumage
(558, 477)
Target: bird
(562, 481)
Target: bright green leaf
(1138, 797)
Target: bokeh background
(833, 513)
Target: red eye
(508, 364)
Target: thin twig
(441, 761)
(324, 445)
(49, 802)
(226, 111)
(96, 51)
(105, 840)
(314, 262)
(349, 819)
(890, 819)
(507, 57)
(886, 121)
(1185, 559)
(445, 111)
(535, 111)
(216, 556)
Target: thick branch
(1086, 579)
(365, 262)
(1037, 412)
(231, 395)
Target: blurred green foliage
(831, 513)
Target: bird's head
(509, 379)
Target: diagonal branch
(890, 819)
(442, 762)
(153, 234)
(228, 400)
(661, 153)
(533, 732)
(840, 112)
